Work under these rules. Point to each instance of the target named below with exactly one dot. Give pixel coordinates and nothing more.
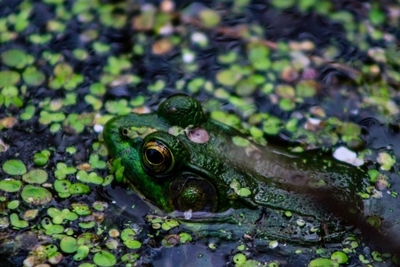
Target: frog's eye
(157, 158)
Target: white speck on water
(98, 128)
(346, 155)
(167, 29)
(314, 121)
(188, 214)
(188, 57)
(199, 38)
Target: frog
(183, 161)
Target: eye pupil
(125, 132)
(157, 158)
(154, 156)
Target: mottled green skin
(271, 174)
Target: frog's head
(156, 161)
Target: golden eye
(157, 157)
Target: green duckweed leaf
(79, 188)
(81, 209)
(228, 77)
(100, 206)
(285, 91)
(54, 229)
(15, 58)
(62, 186)
(80, 54)
(246, 87)
(240, 141)
(133, 244)
(376, 16)
(322, 262)
(95, 162)
(244, 192)
(86, 225)
(258, 55)
(36, 195)
(41, 158)
(239, 259)
(62, 170)
(14, 167)
(118, 107)
(28, 113)
(209, 18)
(128, 234)
(283, 3)
(89, 178)
(81, 253)
(306, 88)
(87, 265)
(185, 238)
(36, 176)
(16, 222)
(129, 258)
(104, 258)
(157, 86)
(13, 204)
(10, 185)
(339, 257)
(118, 169)
(229, 119)
(8, 78)
(50, 249)
(228, 58)
(68, 244)
(33, 77)
(286, 104)
(169, 224)
(386, 160)
(97, 89)
(95, 102)
(272, 126)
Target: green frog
(182, 160)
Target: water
(347, 49)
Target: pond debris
(346, 155)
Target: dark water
(339, 94)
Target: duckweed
(68, 244)
(36, 195)
(322, 262)
(36, 176)
(16, 58)
(13, 204)
(16, 222)
(81, 253)
(339, 257)
(104, 258)
(63, 170)
(14, 167)
(33, 76)
(10, 185)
